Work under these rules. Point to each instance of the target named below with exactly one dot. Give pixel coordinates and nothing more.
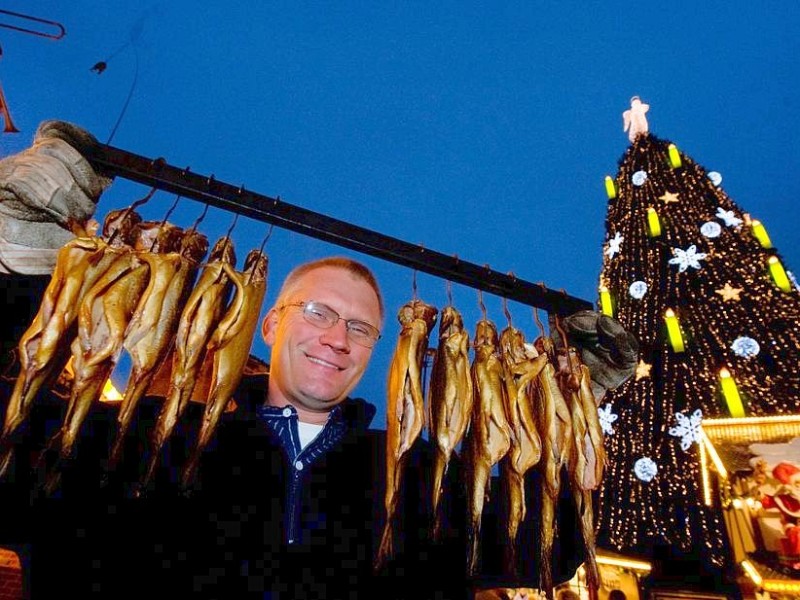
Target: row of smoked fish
(511, 404)
(141, 286)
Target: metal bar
(157, 173)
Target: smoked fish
(521, 368)
(199, 318)
(573, 381)
(450, 398)
(555, 430)
(405, 407)
(44, 347)
(229, 347)
(489, 436)
(151, 331)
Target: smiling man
(322, 329)
(293, 491)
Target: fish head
(451, 321)
(194, 245)
(158, 236)
(544, 345)
(512, 344)
(122, 224)
(255, 264)
(223, 251)
(485, 333)
(425, 312)
(406, 314)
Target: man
(293, 488)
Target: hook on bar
(233, 224)
(172, 208)
(200, 218)
(538, 321)
(269, 235)
(481, 304)
(506, 311)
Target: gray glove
(606, 348)
(47, 192)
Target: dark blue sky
(478, 129)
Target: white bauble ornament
(745, 347)
(637, 290)
(639, 178)
(715, 178)
(711, 229)
(645, 469)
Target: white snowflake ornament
(688, 428)
(639, 178)
(745, 347)
(731, 220)
(606, 418)
(645, 469)
(614, 245)
(711, 229)
(687, 258)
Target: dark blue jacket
(333, 505)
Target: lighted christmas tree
(716, 314)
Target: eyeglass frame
(367, 342)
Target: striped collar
(282, 423)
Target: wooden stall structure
(751, 468)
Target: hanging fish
(575, 384)
(555, 430)
(521, 367)
(450, 398)
(44, 347)
(200, 317)
(405, 407)
(489, 436)
(153, 325)
(230, 348)
(103, 318)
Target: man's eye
(317, 315)
(361, 329)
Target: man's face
(311, 368)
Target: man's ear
(269, 326)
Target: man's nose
(337, 336)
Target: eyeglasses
(325, 317)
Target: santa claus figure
(787, 500)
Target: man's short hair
(350, 265)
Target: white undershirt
(307, 432)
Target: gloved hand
(606, 348)
(48, 193)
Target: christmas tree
(699, 284)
